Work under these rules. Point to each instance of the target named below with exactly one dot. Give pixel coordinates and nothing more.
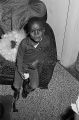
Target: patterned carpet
(43, 104)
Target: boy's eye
(32, 31)
(36, 30)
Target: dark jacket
(27, 54)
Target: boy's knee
(16, 86)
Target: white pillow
(5, 44)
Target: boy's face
(36, 32)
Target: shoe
(24, 93)
(1, 110)
(26, 90)
(14, 107)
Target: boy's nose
(36, 32)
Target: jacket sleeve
(19, 58)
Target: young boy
(34, 53)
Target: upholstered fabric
(17, 12)
(35, 8)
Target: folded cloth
(26, 10)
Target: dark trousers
(33, 76)
(39, 77)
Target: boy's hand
(24, 75)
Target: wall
(68, 43)
(71, 41)
(57, 13)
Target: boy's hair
(33, 20)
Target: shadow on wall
(5, 107)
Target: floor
(43, 104)
(73, 71)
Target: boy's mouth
(37, 38)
